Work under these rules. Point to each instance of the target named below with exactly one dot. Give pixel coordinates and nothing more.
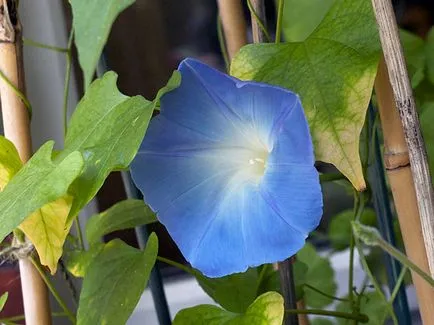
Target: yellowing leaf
(333, 71)
(47, 229)
(267, 309)
(10, 162)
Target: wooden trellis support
(405, 155)
(16, 125)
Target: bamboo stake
(405, 103)
(17, 129)
(302, 318)
(397, 163)
(259, 8)
(234, 25)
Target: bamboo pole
(302, 318)
(259, 8)
(17, 129)
(397, 163)
(404, 101)
(234, 25)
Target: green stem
(17, 92)
(54, 292)
(222, 43)
(373, 280)
(79, 233)
(398, 285)
(279, 21)
(323, 293)
(67, 81)
(351, 266)
(404, 260)
(22, 317)
(258, 20)
(27, 41)
(360, 317)
(261, 277)
(177, 265)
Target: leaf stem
(358, 317)
(22, 317)
(324, 294)
(372, 278)
(258, 20)
(398, 285)
(27, 41)
(279, 21)
(352, 243)
(222, 42)
(404, 260)
(54, 291)
(177, 265)
(67, 81)
(79, 233)
(17, 92)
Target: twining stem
(351, 266)
(18, 93)
(258, 21)
(54, 291)
(372, 278)
(358, 317)
(404, 260)
(27, 41)
(79, 233)
(222, 43)
(398, 284)
(324, 293)
(22, 317)
(279, 21)
(67, 81)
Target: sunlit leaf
(10, 162)
(267, 309)
(92, 22)
(107, 127)
(123, 215)
(78, 261)
(333, 71)
(114, 282)
(319, 275)
(297, 25)
(47, 229)
(38, 183)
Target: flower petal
(294, 192)
(228, 168)
(245, 233)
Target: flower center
(257, 164)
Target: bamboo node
(8, 21)
(396, 160)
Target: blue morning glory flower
(228, 167)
